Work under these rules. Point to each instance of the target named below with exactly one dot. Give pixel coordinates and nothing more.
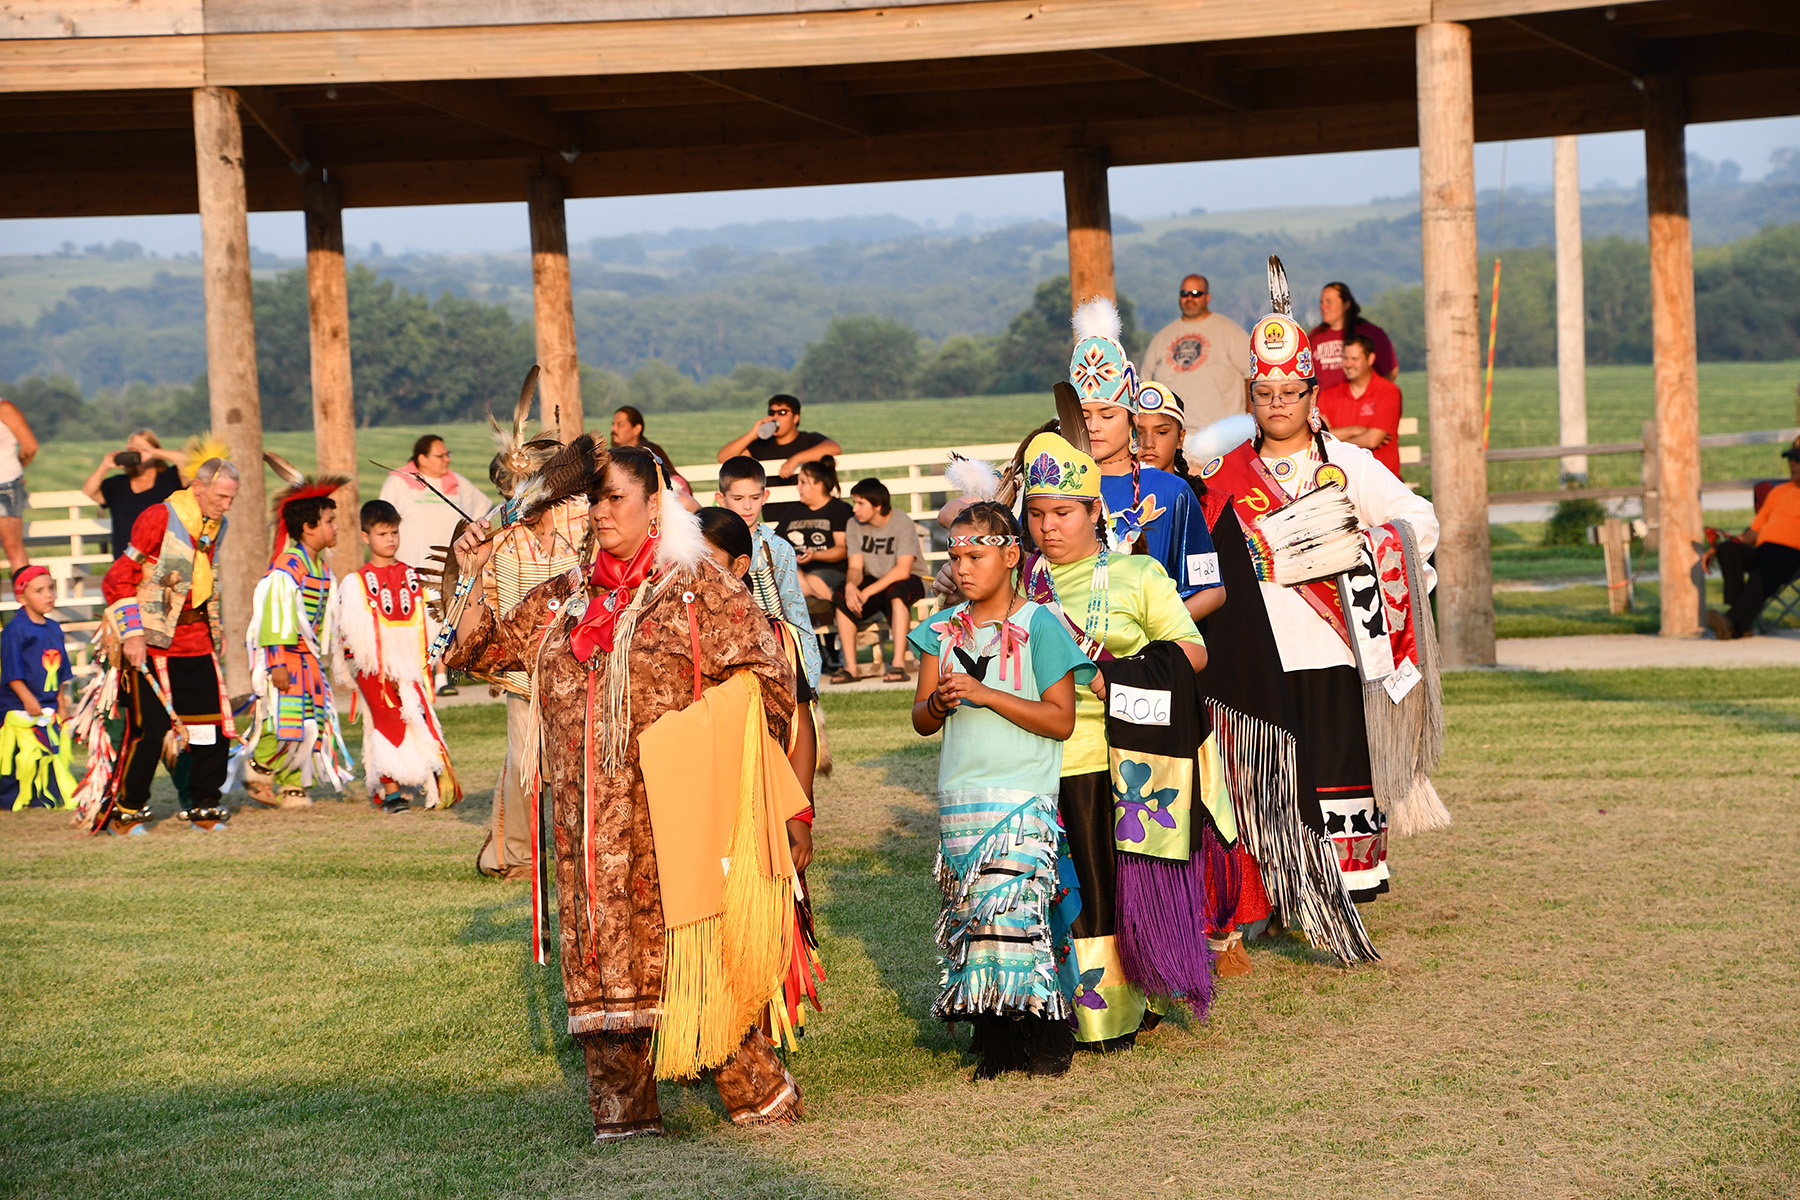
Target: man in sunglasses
(778, 438)
(1202, 356)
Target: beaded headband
(983, 539)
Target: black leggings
(194, 684)
(1752, 574)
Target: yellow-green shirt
(1143, 607)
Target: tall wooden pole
(553, 309)
(231, 358)
(1465, 588)
(1090, 224)
(333, 395)
(1571, 309)
(1676, 355)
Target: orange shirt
(1778, 520)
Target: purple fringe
(1160, 920)
(1223, 883)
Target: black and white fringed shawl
(1253, 714)
(1395, 641)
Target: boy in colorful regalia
(296, 739)
(34, 742)
(382, 623)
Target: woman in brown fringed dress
(666, 598)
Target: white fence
(74, 564)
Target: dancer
(163, 620)
(1115, 605)
(296, 739)
(381, 621)
(1351, 655)
(654, 678)
(34, 737)
(1144, 505)
(997, 674)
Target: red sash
(1254, 492)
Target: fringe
(1299, 867)
(1160, 918)
(1224, 886)
(1407, 739)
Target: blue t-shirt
(1173, 525)
(982, 749)
(32, 654)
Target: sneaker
(395, 804)
(1720, 625)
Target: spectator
(885, 577)
(428, 519)
(1364, 409)
(1203, 355)
(628, 430)
(779, 438)
(18, 446)
(150, 477)
(815, 526)
(1341, 316)
(1758, 564)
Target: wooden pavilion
(111, 107)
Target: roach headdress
(299, 487)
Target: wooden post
(333, 396)
(553, 309)
(1090, 224)
(1615, 545)
(1676, 355)
(1571, 310)
(1465, 590)
(1651, 474)
(231, 359)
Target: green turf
(1586, 990)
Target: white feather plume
(1097, 317)
(1221, 437)
(681, 544)
(972, 478)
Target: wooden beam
(553, 309)
(484, 105)
(1674, 350)
(1589, 35)
(795, 91)
(1185, 69)
(1089, 209)
(1465, 587)
(96, 64)
(1768, 16)
(1571, 308)
(328, 327)
(278, 123)
(231, 357)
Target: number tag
(1203, 569)
(1137, 706)
(203, 735)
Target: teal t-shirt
(982, 749)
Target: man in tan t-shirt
(1203, 356)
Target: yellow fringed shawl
(720, 793)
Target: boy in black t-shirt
(779, 439)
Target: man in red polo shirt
(1364, 409)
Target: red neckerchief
(1255, 491)
(617, 580)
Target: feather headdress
(201, 448)
(519, 455)
(1280, 298)
(1099, 369)
(972, 478)
(300, 486)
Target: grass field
(1588, 989)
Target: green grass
(1586, 990)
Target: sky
(1140, 192)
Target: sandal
(842, 677)
(894, 675)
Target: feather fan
(566, 473)
(1314, 536)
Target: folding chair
(1785, 602)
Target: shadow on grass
(1727, 694)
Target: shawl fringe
(1407, 739)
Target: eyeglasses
(1187, 295)
(1280, 399)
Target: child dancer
(385, 630)
(290, 636)
(34, 745)
(997, 674)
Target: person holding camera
(148, 477)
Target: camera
(127, 459)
